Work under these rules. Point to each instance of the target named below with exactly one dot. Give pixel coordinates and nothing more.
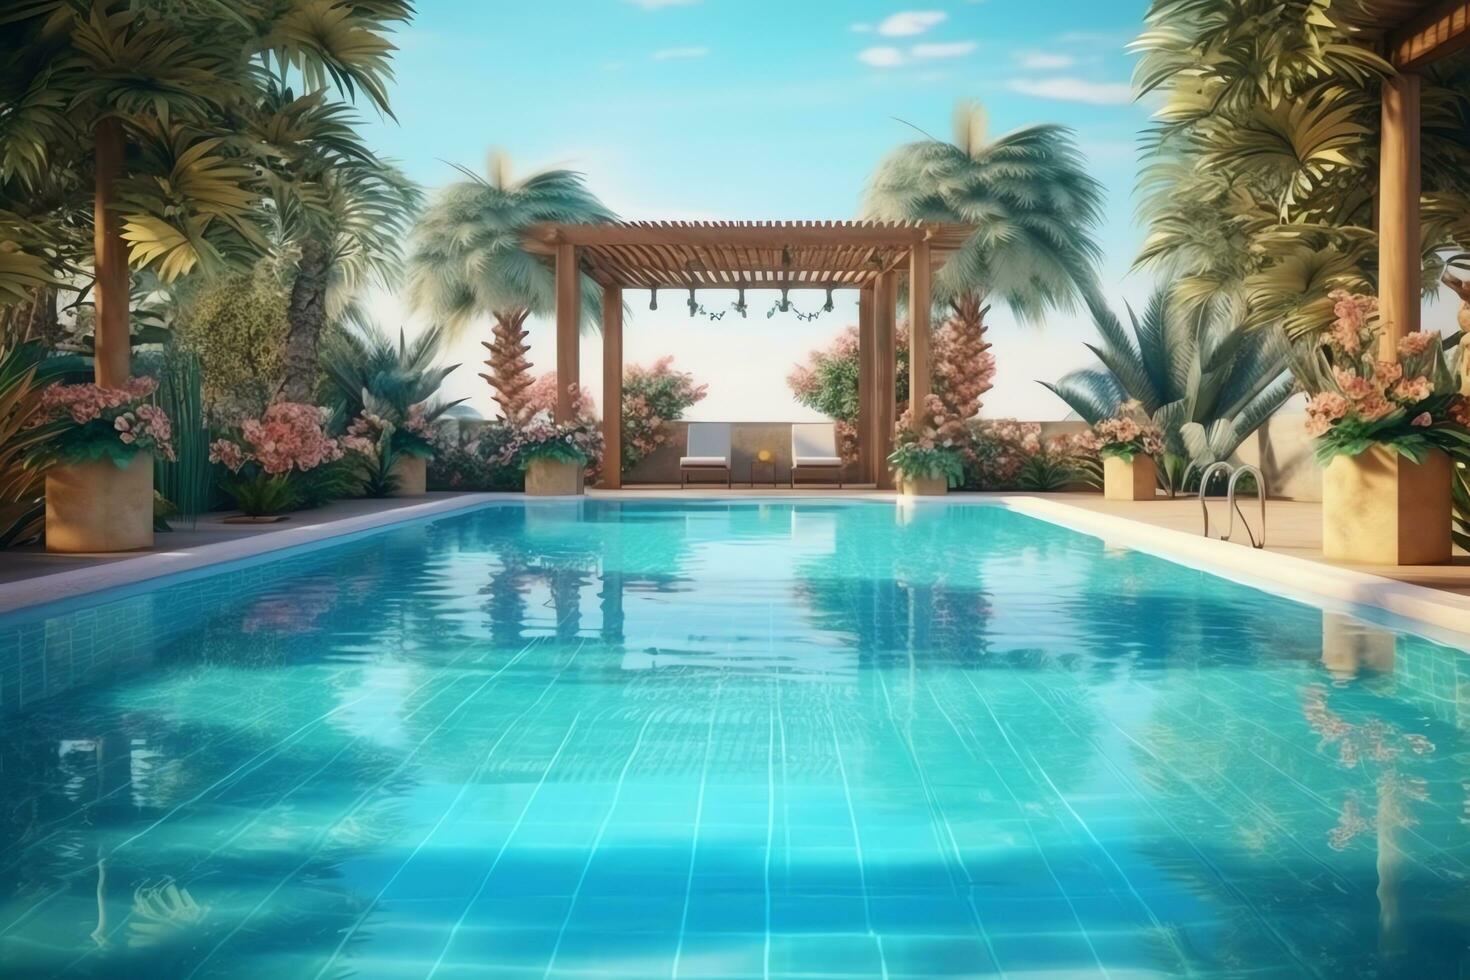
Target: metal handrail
(1232, 506)
(1204, 486)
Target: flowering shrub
(1004, 454)
(653, 396)
(110, 423)
(472, 460)
(1410, 405)
(828, 383)
(577, 442)
(540, 397)
(1126, 434)
(289, 440)
(926, 446)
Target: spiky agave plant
(468, 260)
(1204, 381)
(1029, 195)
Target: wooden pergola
(1410, 34)
(753, 255)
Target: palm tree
(1033, 204)
(367, 364)
(137, 102)
(468, 260)
(1206, 383)
(340, 214)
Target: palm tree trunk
(32, 319)
(112, 363)
(306, 318)
(510, 372)
(959, 354)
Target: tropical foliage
(1004, 454)
(1127, 434)
(382, 381)
(237, 326)
(104, 423)
(469, 260)
(578, 442)
(25, 373)
(926, 444)
(1203, 381)
(1261, 169)
(268, 458)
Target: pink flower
(1414, 344)
(1412, 390)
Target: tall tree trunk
(113, 361)
(510, 372)
(306, 319)
(33, 319)
(963, 365)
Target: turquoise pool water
(708, 739)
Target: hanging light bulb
(653, 299)
(740, 303)
(827, 308)
(785, 300)
(693, 303)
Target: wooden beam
(920, 274)
(1439, 32)
(775, 235)
(612, 388)
(568, 335)
(113, 361)
(867, 363)
(1399, 259)
(885, 377)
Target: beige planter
(1129, 479)
(1381, 508)
(412, 474)
(922, 486)
(553, 478)
(99, 506)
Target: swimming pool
(727, 739)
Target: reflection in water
(728, 739)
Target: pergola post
(919, 306)
(612, 387)
(867, 365)
(1399, 265)
(885, 369)
(568, 318)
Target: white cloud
(1044, 60)
(1074, 90)
(881, 57)
(951, 49)
(660, 4)
(669, 54)
(910, 22)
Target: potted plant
(393, 457)
(265, 456)
(1387, 432)
(553, 455)
(99, 465)
(1128, 444)
(925, 458)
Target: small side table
(767, 467)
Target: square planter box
(99, 506)
(922, 486)
(1129, 479)
(1382, 508)
(552, 478)
(412, 473)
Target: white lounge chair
(708, 448)
(814, 447)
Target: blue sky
(750, 109)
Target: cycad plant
(1034, 206)
(25, 370)
(367, 368)
(468, 260)
(1205, 382)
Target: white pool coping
(74, 582)
(1435, 614)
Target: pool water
(727, 739)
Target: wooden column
(867, 362)
(112, 363)
(919, 306)
(568, 319)
(885, 371)
(1399, 268)
(612, 387)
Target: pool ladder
(1232, 506)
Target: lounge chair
(814, 448)
(708, 448)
